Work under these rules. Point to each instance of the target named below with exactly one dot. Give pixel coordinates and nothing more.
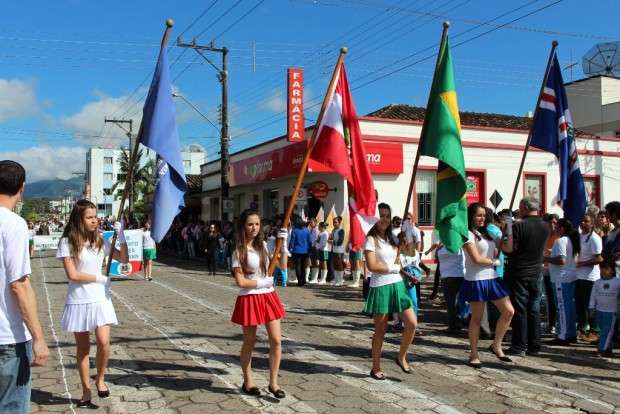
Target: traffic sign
(495, 199)
(228, 204)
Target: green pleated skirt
(387, 299)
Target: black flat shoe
(279, 393)
(103, 393)
(503, 358)
(476, 365)
(87, 404)
(251, 391)
(407, 370)
(379, 376)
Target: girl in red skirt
(257, 303)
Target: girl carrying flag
(257, 303)
(88, 307)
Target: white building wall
(96, 174)
(595, 105)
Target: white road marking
(55, 336)
(261, 404)
(401, 389)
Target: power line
(239, 19)
(420, 60)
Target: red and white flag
(339, 146)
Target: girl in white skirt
(88, 307)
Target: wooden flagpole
(132, 159)
(554, 46)
(442, 45)
(304, 165)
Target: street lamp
(176, 95)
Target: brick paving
(175, 351)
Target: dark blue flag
(159, 132)
(554, 132)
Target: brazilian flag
(441, 139)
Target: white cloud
(45, 162)
(19, 99)
(276, 102)
(88, 125)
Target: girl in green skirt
(387, 293)
(149, 251)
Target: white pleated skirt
(87, 317)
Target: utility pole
(120, 123)
(225, 138)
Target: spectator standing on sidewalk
(588, 272)
(299, 245)
(522, 274)
(611, 245)
(20, 330)
(551, 303)
(211, 247)
(564, 276)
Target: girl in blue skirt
(387, 292)
(481, 284)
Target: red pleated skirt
(252, 310)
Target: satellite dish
(602, 59)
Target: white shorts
(87, 317)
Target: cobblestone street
(175, 351)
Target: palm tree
(143, 176)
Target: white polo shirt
(591, 245)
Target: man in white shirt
(588, 272)
(20, 331)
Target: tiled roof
(474, 119)
(194, 183)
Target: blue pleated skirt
(483, 290)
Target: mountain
(55, 188)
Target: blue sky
(65, 65)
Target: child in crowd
(31, 234)
(322, 248)
(605, 300)
(410, 262)
(338, 246)
(149, 251)
(281, 272)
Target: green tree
(143, 178)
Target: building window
(425, 185)
(534, 185)
(107, 176)
(107, 160)
(187, 164)
(592, 185)
(617, 134)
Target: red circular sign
(319, 189)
